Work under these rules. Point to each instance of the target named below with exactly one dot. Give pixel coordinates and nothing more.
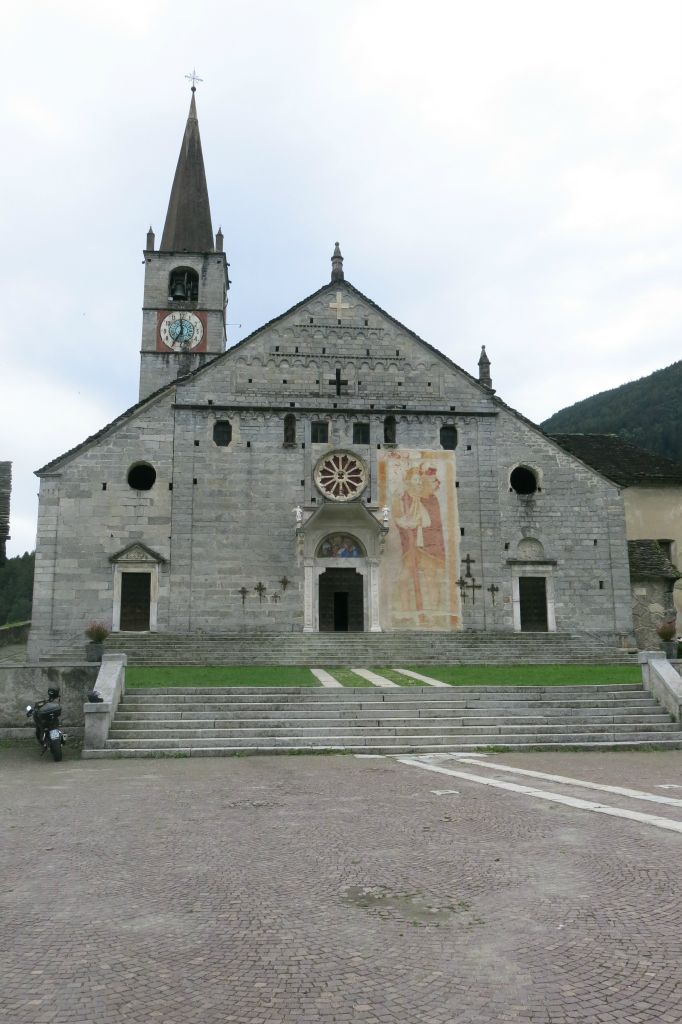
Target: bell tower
(186, 279)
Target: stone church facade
(332, 471)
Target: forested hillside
(16, 588)
(647, 412)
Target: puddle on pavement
(412, 907)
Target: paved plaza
(265, 890)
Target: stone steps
(187, 721)
(357, 649)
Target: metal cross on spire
(194, 78)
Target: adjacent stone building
(332, 471)
(652, 493)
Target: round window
(523, 480)
(341, 476)
(141, 476)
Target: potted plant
(96, 633)
(667, 631)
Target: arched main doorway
(341, 587)
(341, 601)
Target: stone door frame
(368, 568)
(542, 569)
(136, 557)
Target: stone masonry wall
(223, 519)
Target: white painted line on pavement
(373, 678)
(633, 794)
(668, 785)
(325, 678)
(668, 824)
(445, 792)
(423, 679)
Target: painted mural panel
(419, 567)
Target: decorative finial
(484, 370)
(194, 78)
(337, 263)
(219, 239)
(150, 240)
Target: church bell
(179, 290)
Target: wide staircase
(219, 721)
(356, 649)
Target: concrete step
(198, 721)
(202, 719)
(374, 728)
(394, 743)
(359, 649)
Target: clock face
(181, 331)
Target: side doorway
(533, 604)
(136, 591)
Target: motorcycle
(45, 714)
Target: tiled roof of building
(624, 463)
(647, 558)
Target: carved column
(309, 582)
(374, 613)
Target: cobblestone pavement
(333, 889)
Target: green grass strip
(219, 675)
(520, 675)
(348, 678)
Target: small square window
(461, 531)
(319, 432)
(250, 380)
(104, 487)
(196, 444)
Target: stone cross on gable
(337, 380)
(338, 306)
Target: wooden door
(533, 603)
(135, 601)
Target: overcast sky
(499, 173)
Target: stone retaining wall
(23, 684)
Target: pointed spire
(219, 239)
(337, 263)
(188, 221)
(150, 240)
(484, 369)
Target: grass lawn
(519, 675)
(348, 678)
(219, 675)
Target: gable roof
(647, 558)
(107, 428)
(227, 354)
(624, 463)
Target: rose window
(341, 476)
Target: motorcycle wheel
(56, 748)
